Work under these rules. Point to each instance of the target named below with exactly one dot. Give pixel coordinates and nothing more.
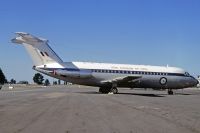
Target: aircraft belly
(162, 82)
(157, 82)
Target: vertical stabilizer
(38, 48)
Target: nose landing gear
(170, 92)
(113, 90)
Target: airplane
(108, 77)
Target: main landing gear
(170, 92)
(113, 90)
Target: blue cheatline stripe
(68, 69)
(118, 71)
(71, 69)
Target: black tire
(170, 92)
(114, 90)
(104, 90)
(100, 90)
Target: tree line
(37, 78)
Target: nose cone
(194, 81)
(197, 82)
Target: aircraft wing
(125, 79)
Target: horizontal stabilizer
(23, 37)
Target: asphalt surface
(73, 109)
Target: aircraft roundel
(163, 81)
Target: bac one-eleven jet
(108, 77)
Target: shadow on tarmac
(137, 94)
(142, 94)
(145, 94)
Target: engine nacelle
(74, 74)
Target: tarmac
(78, 109)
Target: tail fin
(38, 48)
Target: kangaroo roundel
(163, 81)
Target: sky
(149, 32)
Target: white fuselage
(96, 74)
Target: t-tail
(39, 50)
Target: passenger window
(46, 53)
(42, 53)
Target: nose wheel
(113, 90)
(170, 92)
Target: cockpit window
(187, 74)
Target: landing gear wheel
(101, 90)
(170, 92)
(104, 90)
(114, 90)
